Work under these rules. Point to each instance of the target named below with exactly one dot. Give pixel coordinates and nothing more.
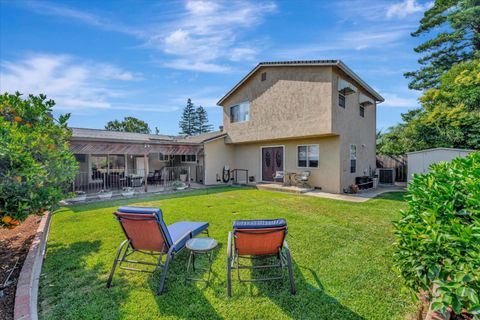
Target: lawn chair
(147, 233)
(253, 239)
(302, 178)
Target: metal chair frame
(128, 249)
(233, 260)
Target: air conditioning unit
(386, 175)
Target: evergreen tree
(188, 121)
(457, 40)
(202, 125)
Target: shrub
(36, 165)
(438, 238)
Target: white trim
(307, 145)
(261, 159)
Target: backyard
(341, 252)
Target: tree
(202, 125)
(449, 117)
(129, 124)
(188, 120)
(36, 165)
(458, 40)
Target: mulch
(14, 244)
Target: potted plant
(104, 194)
(183, 175)
(128, 192)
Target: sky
(105, 60)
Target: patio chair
(147, 233)
(302, 178)
(252, 239)
(279, 176)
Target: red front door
(272, 161)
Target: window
(353, 158)
(362, 111)
(240, 112)
(162, 157)
(264, 76)
(341, 100)
(116, 163)
(189, 158)
(98, 166)
(308, 156)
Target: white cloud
(208, 32)
(72, 83)
(195, 39)
(405, 100)
(406, 8)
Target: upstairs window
(308, 156)
(240, 112)
(341, 100)
(189, 158)
(362, 111)
(264, 76)
(353, 158)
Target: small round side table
(196, 246)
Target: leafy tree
(188, 120)
(129, 124)
(201, 124)
(449, 117)
(457, 40)
(36, 165)
(437, 239)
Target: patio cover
(91, 147)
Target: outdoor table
(289, 177)
(203, 245)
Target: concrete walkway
(358, 197)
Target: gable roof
(336, 63)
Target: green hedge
(36, 165)
(438, 238)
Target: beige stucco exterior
(292, 102)
(297, 105)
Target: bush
(438, 238)
(36, 165)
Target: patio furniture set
(293, 178)
(146, 233)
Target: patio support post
(145, 171)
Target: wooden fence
(399, 163)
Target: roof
(101, 135)
(442, 149)
(335, 63)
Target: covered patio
(135, 166)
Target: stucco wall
(217, 154)
(291, 102)
(354, 129)
(326, 176)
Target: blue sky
(104, 60)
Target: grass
(341, 252)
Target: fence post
(145, 170)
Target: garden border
(26, 295)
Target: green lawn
(341, 253)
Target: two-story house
(294, 116)
(316, 116)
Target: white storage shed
(420, 161)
